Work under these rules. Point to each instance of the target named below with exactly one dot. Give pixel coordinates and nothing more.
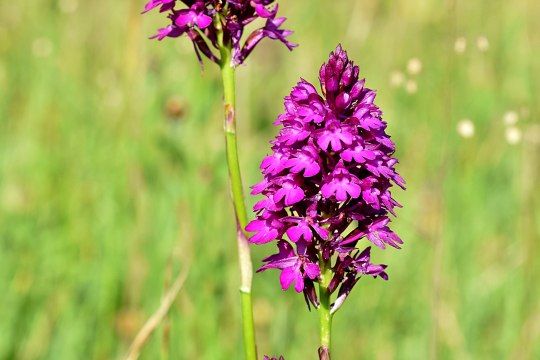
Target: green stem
(324, 297)
(244, 256)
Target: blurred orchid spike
(213, 23)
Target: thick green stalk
(324, 297)
(244, 256)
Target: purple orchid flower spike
(206, 21)
(331, 167)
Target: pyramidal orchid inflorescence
(209, 22)
(327, 184)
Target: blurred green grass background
(113, 177)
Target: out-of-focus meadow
(113, 179)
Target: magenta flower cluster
(327, 183)
(202, 20)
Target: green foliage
(113, 177)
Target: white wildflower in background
(397, 78)
(513, 135)
(465, 128)
(411, 87)
(482, 43)
(460, 45)
(510, 118)
(414, 66)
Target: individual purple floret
(327, 184)
(203, 20)
(266, 357)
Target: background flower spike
(209, 22)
